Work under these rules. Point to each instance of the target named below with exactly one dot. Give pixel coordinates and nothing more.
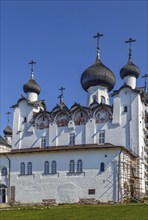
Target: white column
(99, 94)
(32, 96)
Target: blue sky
(58, 35)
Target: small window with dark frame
(125, 108)
(43, 141)
(79, 166)
(25, 120)
(53, 167)
(91, 192)
(22, 168)
(102, 167)
(46, 167)
(71, 166)
(29, 168)
(101, 137)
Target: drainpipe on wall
(119, 166)
(8, 193)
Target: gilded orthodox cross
(32, 68)
(8, 113)
(98, 35)
(130, 41)
(145, 76)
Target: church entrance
(3, 190)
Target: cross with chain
(130, 41)
(8, 113)
(98, 35)
(145, 76)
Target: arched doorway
(3, 193)
(67, 193)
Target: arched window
(103, 99)
(22, 168)
(4, 171)
(102, 167)
(46, 167)
(79, 166)
(53, 167)
(72, 166)
(29, 168)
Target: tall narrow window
(72, 139)
(4, 171)
(102, 137)
(79, 166)
(29, 168)
(72, 166)
(43, 141)
(125, 108)
(22, 168)
(46, 167)
(53, 167)
(103, 99)
(102, 167)
(25, 120)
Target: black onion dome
(31, 86)
(7, 130)
(98, 75)
(130, 69)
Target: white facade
(65, 186)
(89, 152)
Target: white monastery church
(97, 152)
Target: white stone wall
(95, 93)
(66, 187)
(126, 125)
(130, 81)
(126, 128)
(23, 131)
